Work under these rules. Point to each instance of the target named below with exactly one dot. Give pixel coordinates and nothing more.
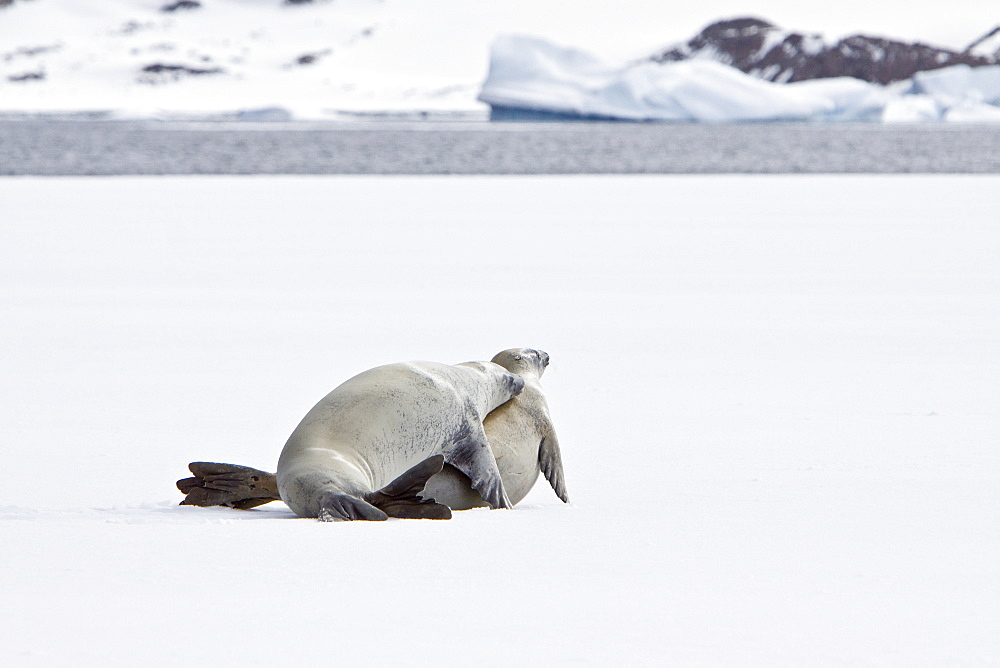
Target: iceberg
(961, 84)
(530, 75)
(532, 78)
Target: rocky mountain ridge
(764, 50)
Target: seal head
(523, 361)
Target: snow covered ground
(776, 398)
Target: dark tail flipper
(401, 497)
(228, 485)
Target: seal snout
(541, 356)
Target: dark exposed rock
(310, 58)
(298, 2)
(162, 72)
(30, 51)
(6, 3)
(157, 68)
(27, 76)
(180, 4)
(764, 50)
(132, 27)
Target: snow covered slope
(133, 58)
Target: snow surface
(532, 74)
(776, 398)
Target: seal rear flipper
(474, 457)
(401, 497)
(230, 485)
(550, 462)
(419, 509)
(248, 504)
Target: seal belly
(513, 435)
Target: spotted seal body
(385, 432)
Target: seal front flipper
(474, 457)
(335, 507)
(550, 462)
(401, 497)
(229, 485)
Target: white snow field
(776, 397)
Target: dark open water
(47, 147)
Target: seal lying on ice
(520, 434)
(368, 447)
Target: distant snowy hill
(766, 51)
(162, 57)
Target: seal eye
(517, 358)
